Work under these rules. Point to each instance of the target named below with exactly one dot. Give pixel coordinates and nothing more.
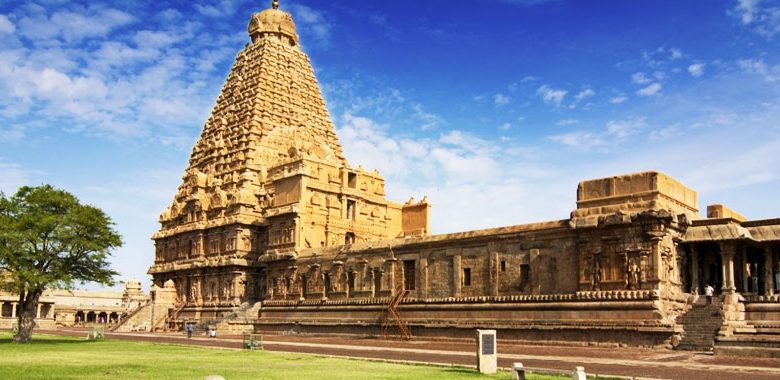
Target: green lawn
(54, 357)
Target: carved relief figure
(596, 275)
(633, 274)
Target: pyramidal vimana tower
(271, 215)
(266, 179)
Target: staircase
(701, 325)
(393, 318)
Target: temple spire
(275, 4)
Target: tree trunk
(26, 311)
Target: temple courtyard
(138, 355)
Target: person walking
(709, 291)
(189, 330)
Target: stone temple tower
(266, 180)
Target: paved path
(632, 362)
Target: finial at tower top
(275, 4)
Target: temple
(273, 230)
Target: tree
(48, 240)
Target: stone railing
(754, 298)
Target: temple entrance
(751, 277)
(709, 269)
(80, 317)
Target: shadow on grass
(48, 341)
(469, 371)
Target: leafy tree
(50, 240)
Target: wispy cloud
(618, 99)
(759, 67)
(6, 26)
(551, 95)
(652, 89)
(586, 93)
(696, 69)
(761, 17)
(501, 99)
(312, 23)
(640, 78)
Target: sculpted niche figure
(595, 272)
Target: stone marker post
(486, 351)
(579, 373)
(518, 372)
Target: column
(768, 285)
(423, 290)
(494, 274)
(38, 312)
(744, 270)
(694, 267)
(456, 273)
(391, 264)
(14, 307)
(727, 252)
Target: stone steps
(701, 325)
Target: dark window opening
(466, 276)
(525, 274)
(503, 265)
(349, 238)
(352, 180)
(409, 274)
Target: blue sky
(494, 109)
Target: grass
(55, 357)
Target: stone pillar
(744, 269)
(494, 274)
(423, 290)
(727, 251)
(694, 264)
(456, 273)
(201, 245)
(38, 312)
(768, 288)
(733, 309)
(13, 309)
(391, 264)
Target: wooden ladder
(393, 319)
(173, 315)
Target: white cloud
(501, 99)
(565, 122)
(650, 90)
(579, 140)
(551, 95)
(313, 23)
(696, 69)
(759, 67)
(505, 127)
(763, 19)
(675, 53)
(586, 93)
(6, 25)
(618, 99)
(74, 25)
(14, 176)
(747, 10)
(640, 78)
(622, 129)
